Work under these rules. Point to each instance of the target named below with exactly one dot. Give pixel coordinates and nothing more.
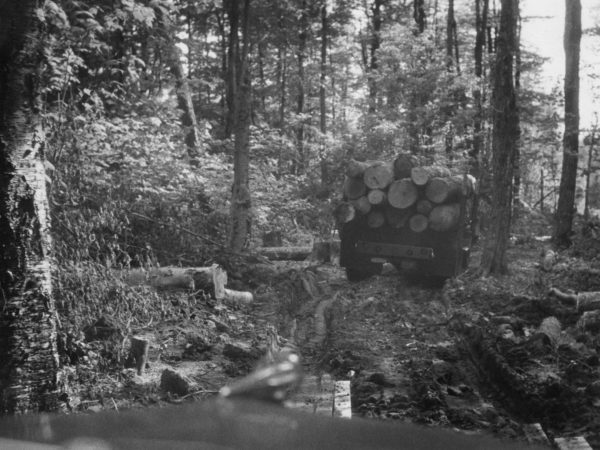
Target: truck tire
(364, 272)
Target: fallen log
(344, 212)
(583, 301)
(444, 217)
(285, 253)
(589, 321)
(362, 205)
(423, 174)
(375, 219)
(418, 223)
(379, 175)
(376, 197)
(403, 164)
(397, 218)
(320, 251)
(402, 193)
(212, 279)
(354, 187)
(448, 189)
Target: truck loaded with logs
(413, 216)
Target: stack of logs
(403, 194)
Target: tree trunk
(375, 44)
(28, 340)
(478, 118)
(588, 175)
(450, 38)
(231, 76)
(566, 196)
(184, 101)
(419, 14)
(300, 165)
(240, 195)
(504, 142)
(323, 98)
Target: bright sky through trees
(543, 27)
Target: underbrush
(125, 195)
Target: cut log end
(418, 223)
(344, 213)
(402, 193)
(378, 176)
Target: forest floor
(475, 354)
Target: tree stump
(139, 353)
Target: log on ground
(285, 253)
(402, 193)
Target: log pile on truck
(388, 207)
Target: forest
(188, 189)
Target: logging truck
(415, 217)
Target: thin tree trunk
(450, 36)
(231, 75)
(419, 14)
(478, 119)
(192, 139)
(375, 44)
(28, 321)
(300, 165)
(240, 193)
(323, 96)
(517, 164)
(588, 175)
(504, 142)
(568, 179)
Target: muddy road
(467, 354)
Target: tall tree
(419, 14)
(505, 133)
(240, 75)
(28, 340)
(566, 196)
(481, 14)
(323, 92)
(452, 55)
(375, 39)
(300, 166)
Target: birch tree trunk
(504, 141)
(28, 340)
(568, 179)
